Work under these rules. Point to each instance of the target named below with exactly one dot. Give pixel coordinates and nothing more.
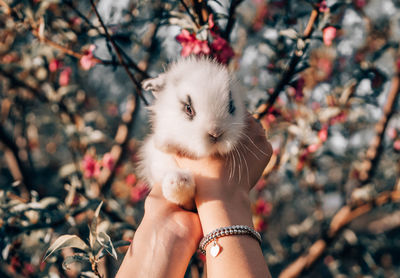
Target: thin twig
(106, 178)
(263, 109)
(17, 168)
(373, 153)
(189, 13)
(231, 18)
(119, 55)
(201, 9)
(129, 62)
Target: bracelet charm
(226, 231)
(215, 249)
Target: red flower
(262, 207)
(91, 167)
(87, 61)
(54, 65)
(221, 49)
(65, 76)
(108, 161)
(329, 33)
(191, 45)
(139, 192)
(130, 179)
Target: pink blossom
(91, 167)
(28, 269)
(323, 7)
(262, 207)
(108, 161)
(299, 89)
(396, 145)
(88, 61)
(191, 45)
(139, 192)
(259, 224)
(323, 134)
(340, 118)
(398, 65)
(76, 21)
(329, 33)
(360, 3)
(54, 65)
(260, 184)
(130, 179)
(221, 49)
(392, 133)
(302, 159)
(313, 148)
(325, 66)
(211, 23)
(65, 76)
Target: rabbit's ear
(155, 84)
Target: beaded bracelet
(226, 231)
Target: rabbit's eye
(231, 106)
(188, 108)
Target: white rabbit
(196, 113)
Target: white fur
(208, 84)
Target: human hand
(223, 177)
(164, 242)
(222, 200)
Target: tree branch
(342, 218)
(106, 177)
(17, 168)
(231, 18)
(373, 153)
(189, 13)
(263, 109)
(118, 52)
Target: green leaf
(106, 242)
(93, 226)
(66, 241)
(74, 258)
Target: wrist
(226, 211)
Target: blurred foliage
(321, 76)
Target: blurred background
(321, 76)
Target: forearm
(241, 256)
(165, 240)
(153, 254)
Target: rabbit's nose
(214, 135)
